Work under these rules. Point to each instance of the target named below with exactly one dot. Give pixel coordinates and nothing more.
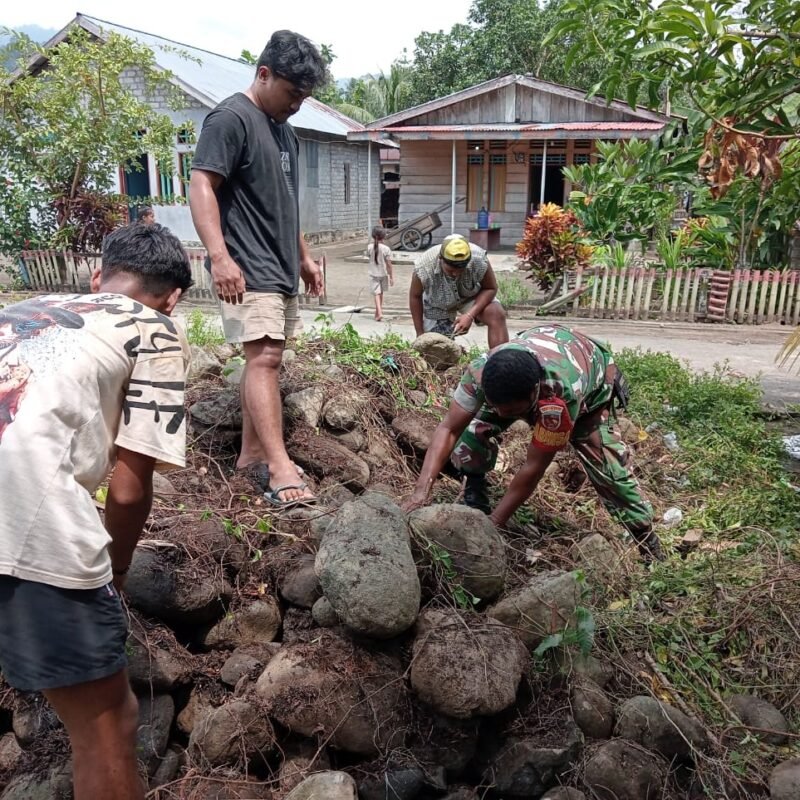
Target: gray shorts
(51, 638)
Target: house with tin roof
(501, 145)
(340, 180)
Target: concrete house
(340, 180)
(501, 145)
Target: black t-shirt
(258, 199)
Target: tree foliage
(376, 96)
(65, 131)
(501, 37)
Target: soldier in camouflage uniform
(563, 384)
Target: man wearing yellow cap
(453, 285)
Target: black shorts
(51, 637)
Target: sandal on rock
(258, 475)
(272, 496)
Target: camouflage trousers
(602, 452)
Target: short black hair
(293, 57)
(150, 252)
(510, 375)
(143, 212)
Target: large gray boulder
(152, 736)
(306, 405)
(333, 688)
(600, 560)
(592, 709)
(223, 409)
(231, 734)
(204, 364)
(11, 754)
(477, 550)
(545, 605)
(757, 713)
(660, 727)
(300, 585)
(325, 786)
(366, 568)
(465, 666)
(784, 782)
(564, 793)
(526, 768)
(439, 351)
(622, 770)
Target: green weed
(201, 330)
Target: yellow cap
(455, 251)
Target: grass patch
(201, 330)
(512, 289)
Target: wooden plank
(741, 312)
(676, 293)
(637, 302)
(651, 279)
(696, 280)
(787, 318)
(796, 317)
(595, 291)
(737, 276)
(665, 298)
(784, 285)
(755, 284)
(578, 284)
(31, 267)
(612, 285)
(773, 295)
(632, 277)
(762, 300)
(623, 277)
(606, 280)
(687, 288)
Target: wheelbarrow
(418, 232)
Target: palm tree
(378, 95)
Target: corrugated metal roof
(210, 77)
(536, 126)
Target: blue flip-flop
(272, 496)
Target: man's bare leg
(101, 718)
(262, 397)
(252, 452)
(494, 318)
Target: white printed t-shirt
(80, 376)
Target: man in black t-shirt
(244, 201)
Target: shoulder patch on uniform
(551, 414)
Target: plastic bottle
(483, 219)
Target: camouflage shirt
(577, 380)
(442, 296)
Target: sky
(365, 36)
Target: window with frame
(311, 153)
(486, 177)
(185, 167)
(347, 186)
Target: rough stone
(306, 405)
(32, 720)
(324, 614)
(545, 605)
(222, 409)
(159, 588)
(152, 666)
(417, 398)
(784, 782)
(10, 754)
(300, 585)
(462, 793)
(343, 412)
(660, 727)
(167, 769)
(439, 351)
(204, 364)
(414, 429)
(361, 707)
(335, 373)
(289, 355)
(162, 486)
(757, 713)
(450, 743)
(152, 736)
(231, 734)
(563, 793)
(476, 548)
(596, 556)
(466, 667)
(397, 783)
(621, 770)
(198, 705)
(576, 665)
(238, 665)
(324, 457)
(299, 762)
(524, 768)
(256, 623)
(352, 440)
(327, 785)
(366, 568)
(233, 371)
(592, 710)
(55, 784)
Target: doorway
(553, 180)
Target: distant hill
(36, 32)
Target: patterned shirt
(80, 376)
(442, 296)
(578, 379)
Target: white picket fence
(687, 295)
(64, 271)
